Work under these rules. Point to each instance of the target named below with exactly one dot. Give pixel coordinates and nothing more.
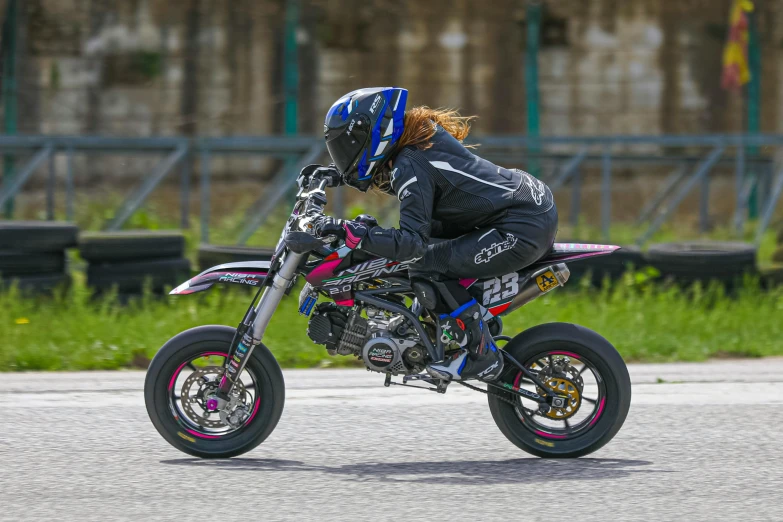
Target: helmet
(362, 130)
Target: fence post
(69, 195)
(205, 194)
(704, 204)
(187, 163)
(739, 181)
(606, 193)
(576, 196)
(50, 186)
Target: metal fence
(691, 158)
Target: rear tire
(184, 347)
(592, 348)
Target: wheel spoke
(584, 367)
(567, 426)
(588, 399)
(190, 365)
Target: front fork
(251, 331)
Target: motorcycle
(218, 392)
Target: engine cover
(388, 355)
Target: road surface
(701, 442)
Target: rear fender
(247, 273)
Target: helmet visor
(347, 147)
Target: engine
(385, 342)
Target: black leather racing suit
(463, 215)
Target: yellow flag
(736, 72)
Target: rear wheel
(577, 363)
(183, 376)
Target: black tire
(187, 345)
(772, 277)
(38, 283)
(37, 236)
(594, 349)
(612, 266)
(125, 246)
(213, 255)
(131, 277)
(16, 262)
(705, 261)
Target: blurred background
(654, 121)
(206, 68)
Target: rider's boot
(478, 356)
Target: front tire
(560, 345)
(162, 384)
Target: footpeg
(439, 385)
(420, 377)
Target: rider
(460, 215)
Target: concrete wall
(161, 67)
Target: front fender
(248, 273)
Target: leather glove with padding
(351, 231)
(329, 173)
(329, 226)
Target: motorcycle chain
(494, 394)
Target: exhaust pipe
(539, 283)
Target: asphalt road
(705, 444)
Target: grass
(74, 331)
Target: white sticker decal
(494, 249)
(536, 188)
(499, 288)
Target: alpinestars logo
(494, 249)
(405, 194)
(537, 189)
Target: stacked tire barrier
(32, 254)
(773, 275)
(682, 263)
(213, 255)
(129, 260)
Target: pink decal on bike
(550, 435)
(584, 246)
(344, 302)
(516, 381)
(499, 309)
(568, 354)
(467, 283)
(201, 435)
(600, 411)
(176, 373)
(581, 256)
(255, 408)
(322, 271)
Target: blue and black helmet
(362, 130)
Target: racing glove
(350, 231)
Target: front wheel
(187, 370)
(575, 362)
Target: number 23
(500, 288)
